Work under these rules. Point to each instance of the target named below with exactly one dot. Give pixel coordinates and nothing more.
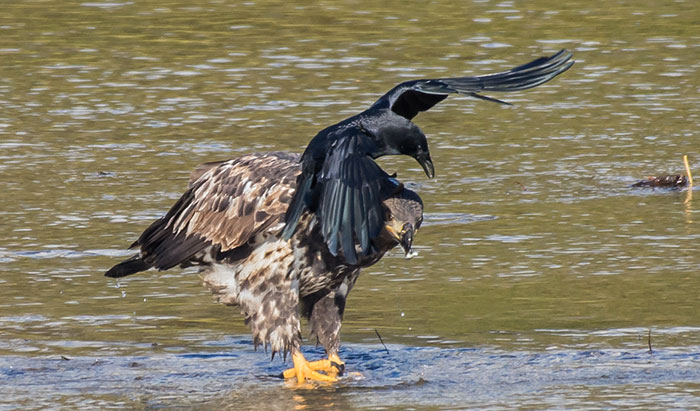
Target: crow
(340, 181)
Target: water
(540, 271)
(395, 377)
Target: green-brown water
(540, 270)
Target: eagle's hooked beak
(404, 237)
(406, 241)
(427, 164)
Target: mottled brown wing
(238, 198)
(200, 169)
(226, 205)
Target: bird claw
(330, 369)
(339, 368)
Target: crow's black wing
(352, 188)
(411, 97)
(301, 199)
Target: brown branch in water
(382, 341)
(677, 181)
(649, 342)
(670, 181)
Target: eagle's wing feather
(227, 204)
(200, 169)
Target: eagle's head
(404, 216)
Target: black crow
(340, 181)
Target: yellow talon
(304, 370)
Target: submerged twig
(382, 341)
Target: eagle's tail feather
(127, 267)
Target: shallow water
(540, 271)
(227, 375)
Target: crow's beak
(427, 164)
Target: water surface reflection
(538, 268)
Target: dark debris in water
(677, 181)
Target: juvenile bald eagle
(340, 180)
(275, 232)
(229, 222)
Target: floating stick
(690, 184)
(687, 172)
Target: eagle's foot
(304, 370)
(333, 366)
